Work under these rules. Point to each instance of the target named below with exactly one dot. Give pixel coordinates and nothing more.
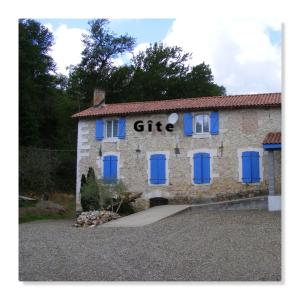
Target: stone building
(189, 150)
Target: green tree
(101, 47)
(161, 72)
(36, 83)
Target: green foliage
(98, 194)
(161, 72)
(101, 47)
(47, 99)
(90, 196)
(36, 171)
(44, 115)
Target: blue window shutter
(246, 167)
(99, 129)
(255, 166)
(214, 122)
(188, 124)
(106, 168)
(110, 165)
(197, 168)
(121, 128)
(161, 159)
(205, 167)
(158, 169)
(113, 168)
(153, 170)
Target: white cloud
(68, 46)
(240, 52)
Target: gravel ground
(194, 245)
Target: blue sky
(144, 30)
(244, 55)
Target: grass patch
(31, 212)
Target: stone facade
(239, 130)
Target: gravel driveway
(194, 245)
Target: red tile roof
(201, 103)
(273, 138)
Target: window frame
(101, 165)
(112, 128)
(261, 165)
(195, 124)
(167, 156)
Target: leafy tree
(101, 47)
(161, 72)
(36, 83)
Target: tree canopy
(48, 99)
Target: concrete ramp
(147, 216)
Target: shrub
(89, 192)
(98, 194)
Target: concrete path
(147, 216)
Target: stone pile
(95, 217)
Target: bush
(98, 194)
(89, 192)
(90, 196)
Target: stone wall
(238, 129)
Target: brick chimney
(99, 97)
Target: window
(250, 167)
(112, 128)
(158, 169)
(198, 124)
(201, 124)
(110, 168)
(201, 168)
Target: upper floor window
(112, 128)
(201, 123)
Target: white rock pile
(95, 217)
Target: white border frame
(204, 134)
(109, 139)
(213, 153)
(167, 154)
(240, 170)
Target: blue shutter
(188, 124)
(214, 122)
(255, 166)
(106, 168)
(121, 128)
(158, 169)
(110, 165)
(205, 168)
(246, 167)
(153, 170)
(201, 168)
(197, 168)
(113, 168)
(99, 129)
(161, 160)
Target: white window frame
(213, 153)
(194, 124)
(112, 129)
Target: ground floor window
(158, 169)
(201, 168)
(250, 167)
(110, 168)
